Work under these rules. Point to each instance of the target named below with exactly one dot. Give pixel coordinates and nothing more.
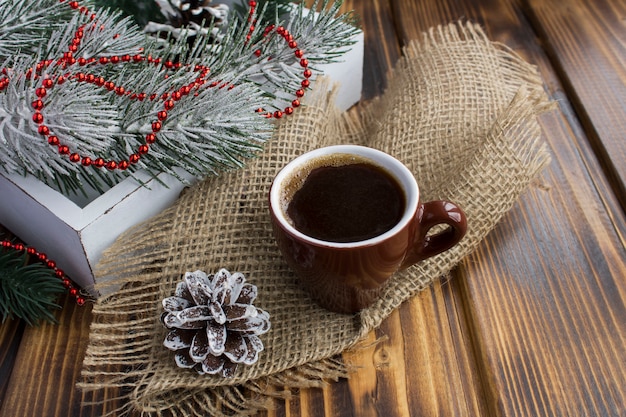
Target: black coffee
(347, 203)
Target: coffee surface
(347, 203)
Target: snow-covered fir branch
(214, 126)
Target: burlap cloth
(460, 111)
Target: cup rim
(393, 166)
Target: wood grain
(48, 365)
(587, 45)
(10, 337)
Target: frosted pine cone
(213, 324)
(190, 18)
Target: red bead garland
(169, 100)
(43, 258)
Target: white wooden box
(75, 232)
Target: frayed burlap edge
(121, 355)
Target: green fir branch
(28, 291)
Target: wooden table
(533, 323)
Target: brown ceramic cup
(347, 277)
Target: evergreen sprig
(215, 130)
(28, 291)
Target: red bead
(64, 149)
(80, 301)
(109, 85)
(115, 59)
(143, 149)
(100, 81)
(293, 44)
(43, 130)
(308, 73)
(82, 61)
(73, 292)
(141, 96)
(298, 53)
(123, 165)
(86, 161)
(67, 283)
(126, 58)
(75, 157)
(304, 62)
(53, 140)
(111, 165)
(134, 158)
(48, 83)
(51, 264)
(18, 247)
(42, 257)
(59, 273)
(280, 30)
(137, 58)
(73, 48)
(169, 104)
(73, 4)
(103, 60)
(80, 77)
(162, 115)
(6, 244)
(177, 95)
(150, 138)
(41, 92)
(98, 163)
(278, 114)
(252, 3)
(305, 83)
(91, 78)
(120, 90)
(38, 118)
(31, 251)
(289, 110)
(156, 126)
(300, 93)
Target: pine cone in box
(213, 325)
(190, 18)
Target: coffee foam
(296, 179)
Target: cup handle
(431, 214)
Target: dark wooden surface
(534, 322)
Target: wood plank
(423, 363)
(48, 365)
(586, 42)
(547, 301)
(10, 336)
